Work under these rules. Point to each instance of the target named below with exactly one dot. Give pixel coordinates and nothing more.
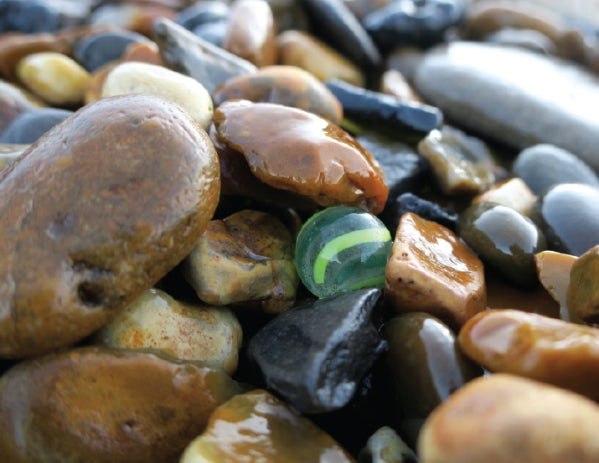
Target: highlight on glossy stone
(342, 249)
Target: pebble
(542, 166)
(98, 404)
(524, 38)
(30, 125)
(232, 434)
(314, 355)
(385, 446)
(14, 101)
(423, 208)
(201, 13)
(155, 320)
(583, 295)
(213, 32)
(28, 16)
(9, 153)
(513, 193)
(394, 83)
(534, 346)
(104, 206)
(97, 50)
(431, 270)
(496, 418)
(553, 269)
(136, 16)
(514, 96)
(135, 77)
(245, 259)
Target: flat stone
(514, 96)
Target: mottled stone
(512, 193)
(432, 271)
(583, 292)
(188, 54)
(286, 85)
(155, 320)
(314, 355)
(97, 212)
(425, 209)
(233, 435)
(515, 96)
(553, 269)
(103, 405)
(297, 48)
(98, 50)
(244, 259)
(29, 126)
(546, 349)
(298, 151)
(507, 419)
(385, 446)
(14, 101)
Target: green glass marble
(342, 249)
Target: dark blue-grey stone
(97, 50)
(202, 13)
(188, 54)
(542, 166)
(515, 96)
(27, 127)
(213, 32)
(28, 16)
(568, 214)
(428, 210)
(315, 355)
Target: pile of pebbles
(158, 159)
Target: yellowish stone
(512, 193)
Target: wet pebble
(553, 269)
(425, 209)
(513, 193)
(98, 50)
(583, 293)
(29, 126)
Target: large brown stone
(95, 213)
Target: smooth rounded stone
(504, 239)
(135, 77)
(385, 446)
(342, 249)
(289, 15)
(339, 27)
(95, 213)
(514, 96)
(97, 50)
(102, 405)
(413, 22)
(553, 269)
(155, 320)
(200, 13)
(251, 32)
(29, 126)
(184, 52)
(568, 215)
(524, 38)
(425, 365)
(431, 270)
(54, 77)
(378, 108)
(542, 166)
(298, 151)
(583, 292)
(286, 85)
(395, 84)
(314, 355)
(283, 435)
(213, 32)
(513, 193)
(460, 164)
(14, 101)
(28, 16)
(245, 259)
(507, 419)
(534, 346)
(134, 16)
(425, 209)
(297, 48)
(9, 153)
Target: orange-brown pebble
(101, 405)
(503, 418)
(546, 349)
(394, 83)
(583, 290)
(251, 32)
(298, 151)
(554, 269)
(512, 193)
(256, 426)
(431, 270)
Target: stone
(135, 16)
(431, 270)
(283, 434)
(289, 15)
(14, 101)
(251, 32)
(524, 38)
(542, 166)
(95, 213)
(582, 298)
(314, 355)
(155, 320)
(54, 77)
(213, 32)
(513, 193)
(496, 418)
(201, 13)
(504, 239)
(9, 153)
(97, 50)
(298, 151)
(134, 77)
(99, 405)
(184, 52)
(553, 269)
(425, 366)
(423, 208)
(29, 16)
(385, 446)
(245, 259)
(567, 214)
(394, 83)
(29, 126)
(298, 48)
(286, 85)
(514, 96)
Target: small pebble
(583, 292)
(425, 209)
(200, 13)
(14, 101)
(553, 269)
(385, 446)
(29, 126)
(513, 193)
(98, 50)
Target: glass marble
(342, 249)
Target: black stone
(542, 166)
(27, 127)
(201, 13)
(28, 16)
(413, 22)
(97, 50)
(409, 202)
(315, 355)
(375, 107)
